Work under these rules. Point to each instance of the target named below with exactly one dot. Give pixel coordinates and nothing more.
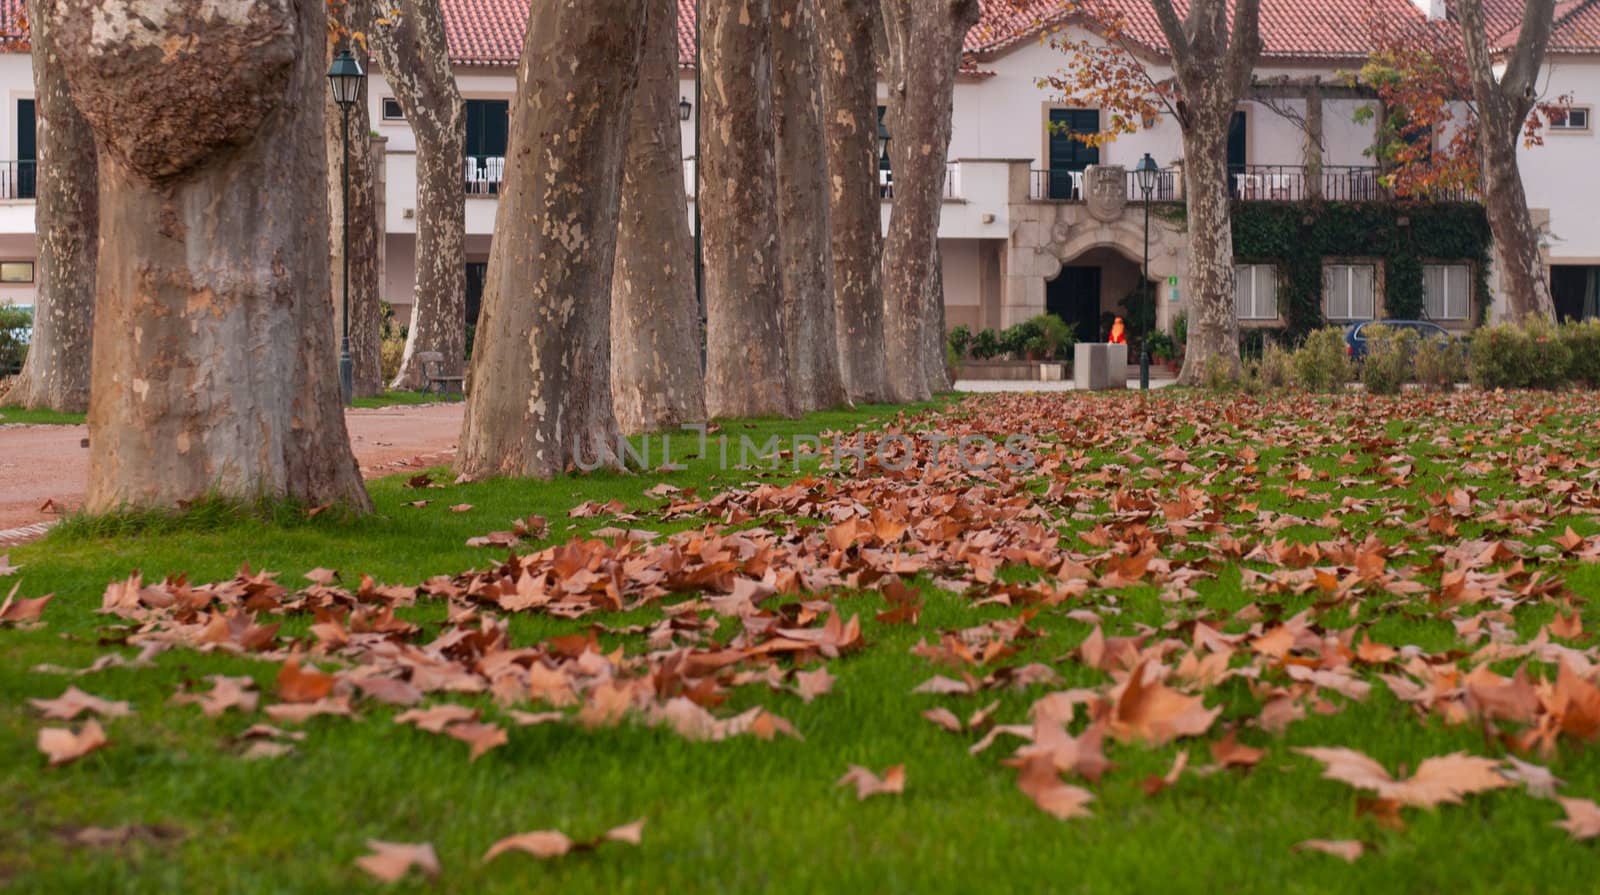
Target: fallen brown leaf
(63, 745)
(868, 784)
(1348, 849)
(390, 861)
(75, 702)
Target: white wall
(1562, 174)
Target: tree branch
(1522, 67)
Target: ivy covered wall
(1297, 237)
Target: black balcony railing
(19, 180)
(1333, 183)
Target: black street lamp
(346, 77)
(685, 110)
(1146, 172)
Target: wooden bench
(432, 374)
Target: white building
(1017, 236)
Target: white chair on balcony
(474, 176)
(1077, 185)
(885, 183)
(1248, 186)
(1281, 185)
(494, 169)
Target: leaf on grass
(461, 508)
(1583, 818)
(264, 749)
(868, 784)
(811, 684)
(434, 719)
(226, 693)
(1348, 849)
(112, 837)
(944, 718)
(554, 843)
(13, 610)
(63, 745)
(1230, 753)
(1039, 780)
(303, 685)
(296, 713)
(1444, 778)
(1153, 784)
(481, 737)
(1537, 779)
(75, 702)
(1153, 713)
(390, 861)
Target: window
(488, 127)
(16, 271)
(1447, 291)
(1255, 291)
(1069, 154)
(1577, 120)
(1347, 291)
(392, 110)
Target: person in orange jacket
(1118, 335)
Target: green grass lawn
(39, 417)
(747, 815)
(404, 398)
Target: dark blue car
(1355, 344)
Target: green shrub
(960, 340)
(1018, 340)
(14, 323)
(1276, 368)
(1583, 343)
(1251, 381)
(1180, 331)
(1161, 347)
(1387, 366)
(1439, 363)
(1053, 339)
(952, 361)
(1321, 364)
(1220, 374)
(985, 345)
(1505, 355)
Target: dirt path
(43, 468)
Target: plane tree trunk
(215, 370)
(803, 215)
(1503, 106)
(747, 365)
(850, 88)
(55, 375)
(656, 381)
(347, 18)
(1212, 64)
(925, 40)
(416, 61)
(541, 367)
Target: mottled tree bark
(67, 223)
(747, 366)
(215, 369)
(925, 40)
(1503, 106)
(850, 87)
(803, 215)
(934, 366)
(416, 60)
(656, 382)
(1213, 68)
(347, 18)
(541, 398)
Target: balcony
(484, 174)
(952, 183)
(19, 180)
(1068, 186)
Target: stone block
(1097, 366)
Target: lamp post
(1147, 172)
(346, 77)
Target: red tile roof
(1576, 28)
(485, 32)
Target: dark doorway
(1238, 149)
(1068, 155)
(477, 272)
(23, 181)
(1575, 290)
(1074, 296)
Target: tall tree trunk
(416, 60)
(1212, 64)
(348, 18)
(1503, 106)
(935, 368)
(216, 370)
(803, 216)
(656, 381)
(924, 51)
(1213, 321)
(67, 222)
(850, 87)
(548, 288)
(747, 365)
